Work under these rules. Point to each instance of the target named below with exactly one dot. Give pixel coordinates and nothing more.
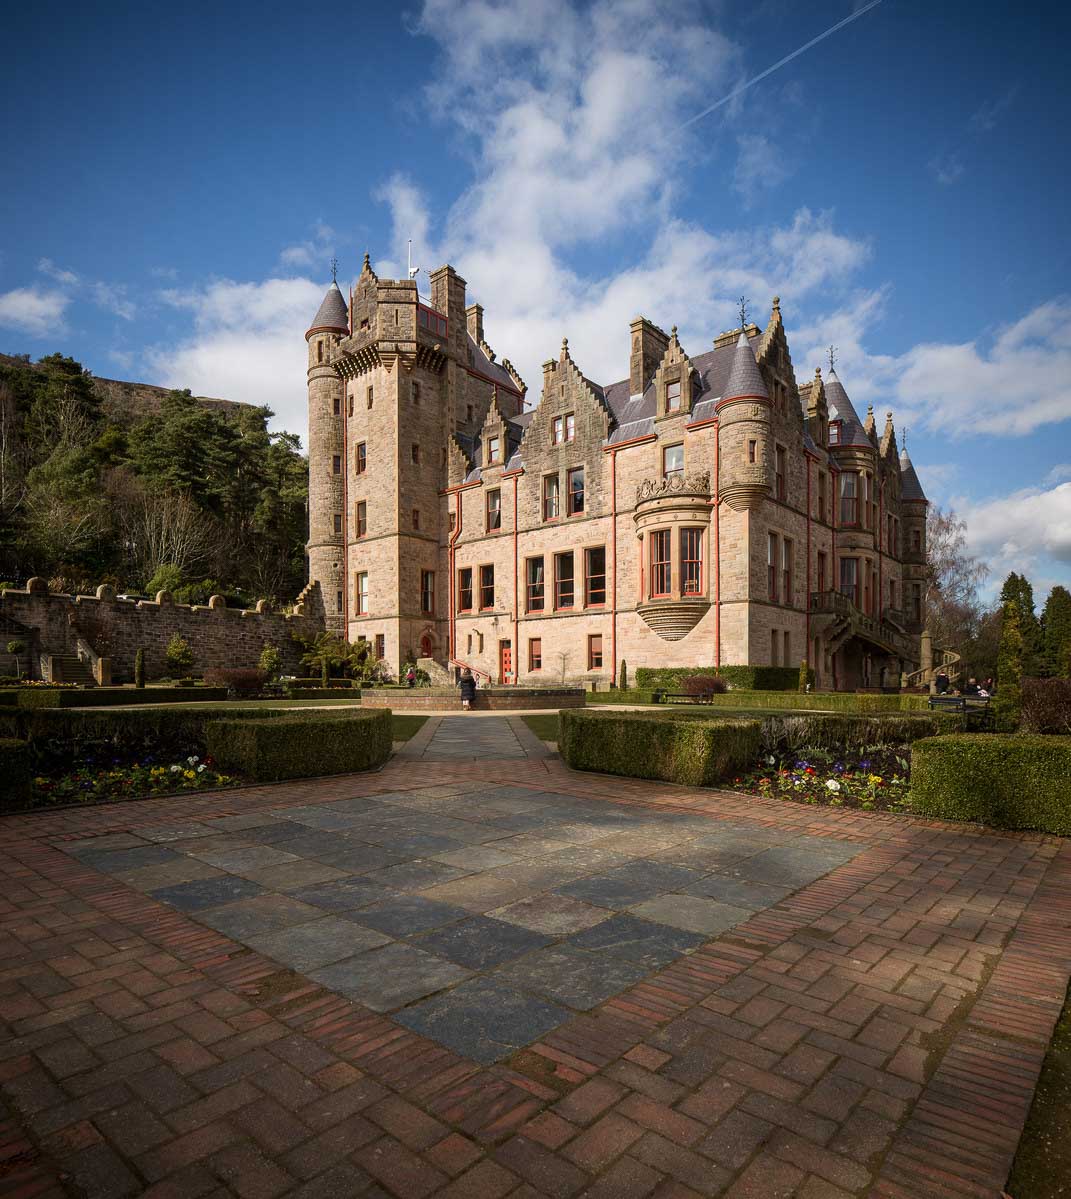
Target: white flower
(832, 784)
(770, 760)
(192, 761)
(200, 768)
(175, 769)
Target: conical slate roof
(332, 312)
(840, 408)
(745, 378)
(910, 487)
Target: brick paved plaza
(475, 973)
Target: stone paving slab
(868, 1016)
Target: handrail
(466, 666)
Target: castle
(706, 510)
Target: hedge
(317, 684)
(1008, 780)
(16, 771)
(301, 746)
(629, 696)
(9, 698)
(749, 678)
(322, 693)
(694, 750)
(103, 697)
(60, 740)
(847, 732)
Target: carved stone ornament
(656, 489)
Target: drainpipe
(450, 590)
(615, 669)
(807, 459)
(717, 549)
(880, 529)
(516, 593)
(345, 509)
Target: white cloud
(1028, 531)
(985, 117)
(315, 250)
(760, 165)
(947, 168)
(112, 297)
(1059, 473)
(248, 344)
(47, 267)
(37, 311)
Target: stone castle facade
(707, 510)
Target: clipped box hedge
(103, 697)
(9, 697)
(630, 696)
(748, 678)
(694, 750)
(1007, 780)
(844, 731)
(829, 701)
(301, 746)
(16, 771)
(322, 693)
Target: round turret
(744, 432)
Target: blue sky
(178, 178)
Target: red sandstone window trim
(360, 519)
(574, 494)
(594, 580)
(464, 589)
(493, 511)
(551, 497)
(692, 581)
(564, 584)
(661, 563)
(535, 653)
(487, 587)
(361, 593)
(535, 587)
(360, 458)
(595, 651)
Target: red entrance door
(505, 661)
(425, 646)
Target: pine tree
(1056, 634)
(1017, 588)
(1007, 703)
(622, 676)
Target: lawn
(545, 726)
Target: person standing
(468, 689)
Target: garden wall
(116, 629)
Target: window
(338, 601)
(822, 497)
(673, 396)
(595, 577)
(336, 406)
(916, 541)
(557, 432)
(431, 321)
(849, 500)
(550, 497)
(575, 480)
(864, 480)
(453, 521)
(492, 450)
(487, 587)
(834, 432)
(336, 464)
(595, 651)
(661, 571)
(427, 592)
(849, 579)
(464, 589)
(570, 426)
(535, 653)
(364, 323)
(916, 602)
(319, 351)
(786, 573)
(470, 643)
(368, 398)
(338, 522)
(672, 461)
(349, 405)
(361, 458)
(751, 445)
(691, 561)
(775, 645)
(414, 453)
(535, 585)
(468, 413)
(416, 519)
(381, 646)
(822, 566)
(360, 519)
(771, 568)
(416, 395)
(779, 462)
(892, 594)
(787, 659)
(494, 510)
(563, 580)
(362, 593)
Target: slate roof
(332, 312)
(910, 487)
(840, 408)
(745, 378)
(492, 370)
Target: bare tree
(12, 457)
(158, 528)
(955, 613)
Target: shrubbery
(15, 770)
(244, 683)
(179, 656)
(103, 697)
(847, 732)
(300, 746)
(1046, 705)
(747, 678)
(694, 750)
(701, 685)
(1018, 781)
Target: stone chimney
(649, 345)
(474, 317)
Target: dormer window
(563, 429)
(673, 396)
(493, 444)
(834, 432)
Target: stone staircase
(72, 670)
(439, 675)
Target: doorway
(505, 661)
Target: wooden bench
(975, 708)
(674, 697)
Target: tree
(17, 648)
(953, 577)
(1056, 634)
(179, 655)
(271, 662)
(326, 653)
(1007, 704)
(622, 676)
(1017, 590)
(139, 668)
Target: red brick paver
(880, 1032)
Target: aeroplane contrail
(777, 65)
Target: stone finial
(217, 602)
(163, 598)
(673, 331)
(105, 592)
(818, 372)
(367, 265)
(776, 304)
(263, 606)
(37, 586)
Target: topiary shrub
(622, 676)
(1046, 705)
(245, 683)
(271, 662)
(139, 668)
(1007, 711)
(692, 750)
(293, 747)
(1015, 781)
(15, 769)
(804, 677)
(179, 656)
(701, 685)
(746, 678)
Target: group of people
(971, 688)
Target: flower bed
(873, 779)
(97, 781)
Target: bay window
(661, 568)
(691, 561)
(849, 498)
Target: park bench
(673, 697)
(975, 708)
